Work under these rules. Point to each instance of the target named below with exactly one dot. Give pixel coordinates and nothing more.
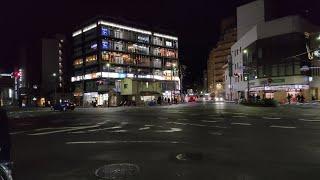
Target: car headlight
(216, 99)
(221, 99)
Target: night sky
(195, 22)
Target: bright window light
(77, 33)
(124, 27)
(92, 26)
(165, 36)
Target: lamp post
(247, 72)
(174, 82)
(54, 75)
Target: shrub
(261, 103)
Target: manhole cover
(117, 171)
(189, 156)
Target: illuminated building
(7, 96)
(217, 61)
(106, 54)
(265, 58)
(53, 75)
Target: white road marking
(52, 128)
(18, 132)
(163, 118)
(79, 132)
(198, 125)
(169, 131)
(181, 157)
(239, 116)
(183, 119)
(239, 113)
(144, 128)
(184, 124)
(310, 120)
(284, 127)
(242, 124)
(214, 115)
(118, 131)
(103, 129)
(216, 133)
(271, 118)
(104, 122)
(63, 130)
(209, 121)
(118, 142)
(148, 125)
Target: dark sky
(196, 22)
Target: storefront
(281, 92)
(279, 88)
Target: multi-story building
(53, 74)
(267, 58)
(217, 62)
(7, 87)
(115, 61)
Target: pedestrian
(168, 100)
(289, 98)
(299, 98)
(5, 143)
(258, 98)
(302, 99)
(313, 98)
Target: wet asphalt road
(190, 141)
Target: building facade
(267, 59)
(53, 74)
(107, 54)
(217, 62)
(7, 86)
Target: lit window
(91, 58)
(78, 62)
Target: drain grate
(123, 171)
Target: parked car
(64, 106)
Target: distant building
(6, 89)
(205, 81)
(217, 62)
(53, 74)
(115, 61)
(265, 60)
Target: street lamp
(246, 52)
(54, 75)
(174, 82)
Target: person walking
(289, 97)
(299, 98)
(5, 142)
(302, 99)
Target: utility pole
(247, 72)
(230, 75)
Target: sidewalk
(26, 109)
(302, 104)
